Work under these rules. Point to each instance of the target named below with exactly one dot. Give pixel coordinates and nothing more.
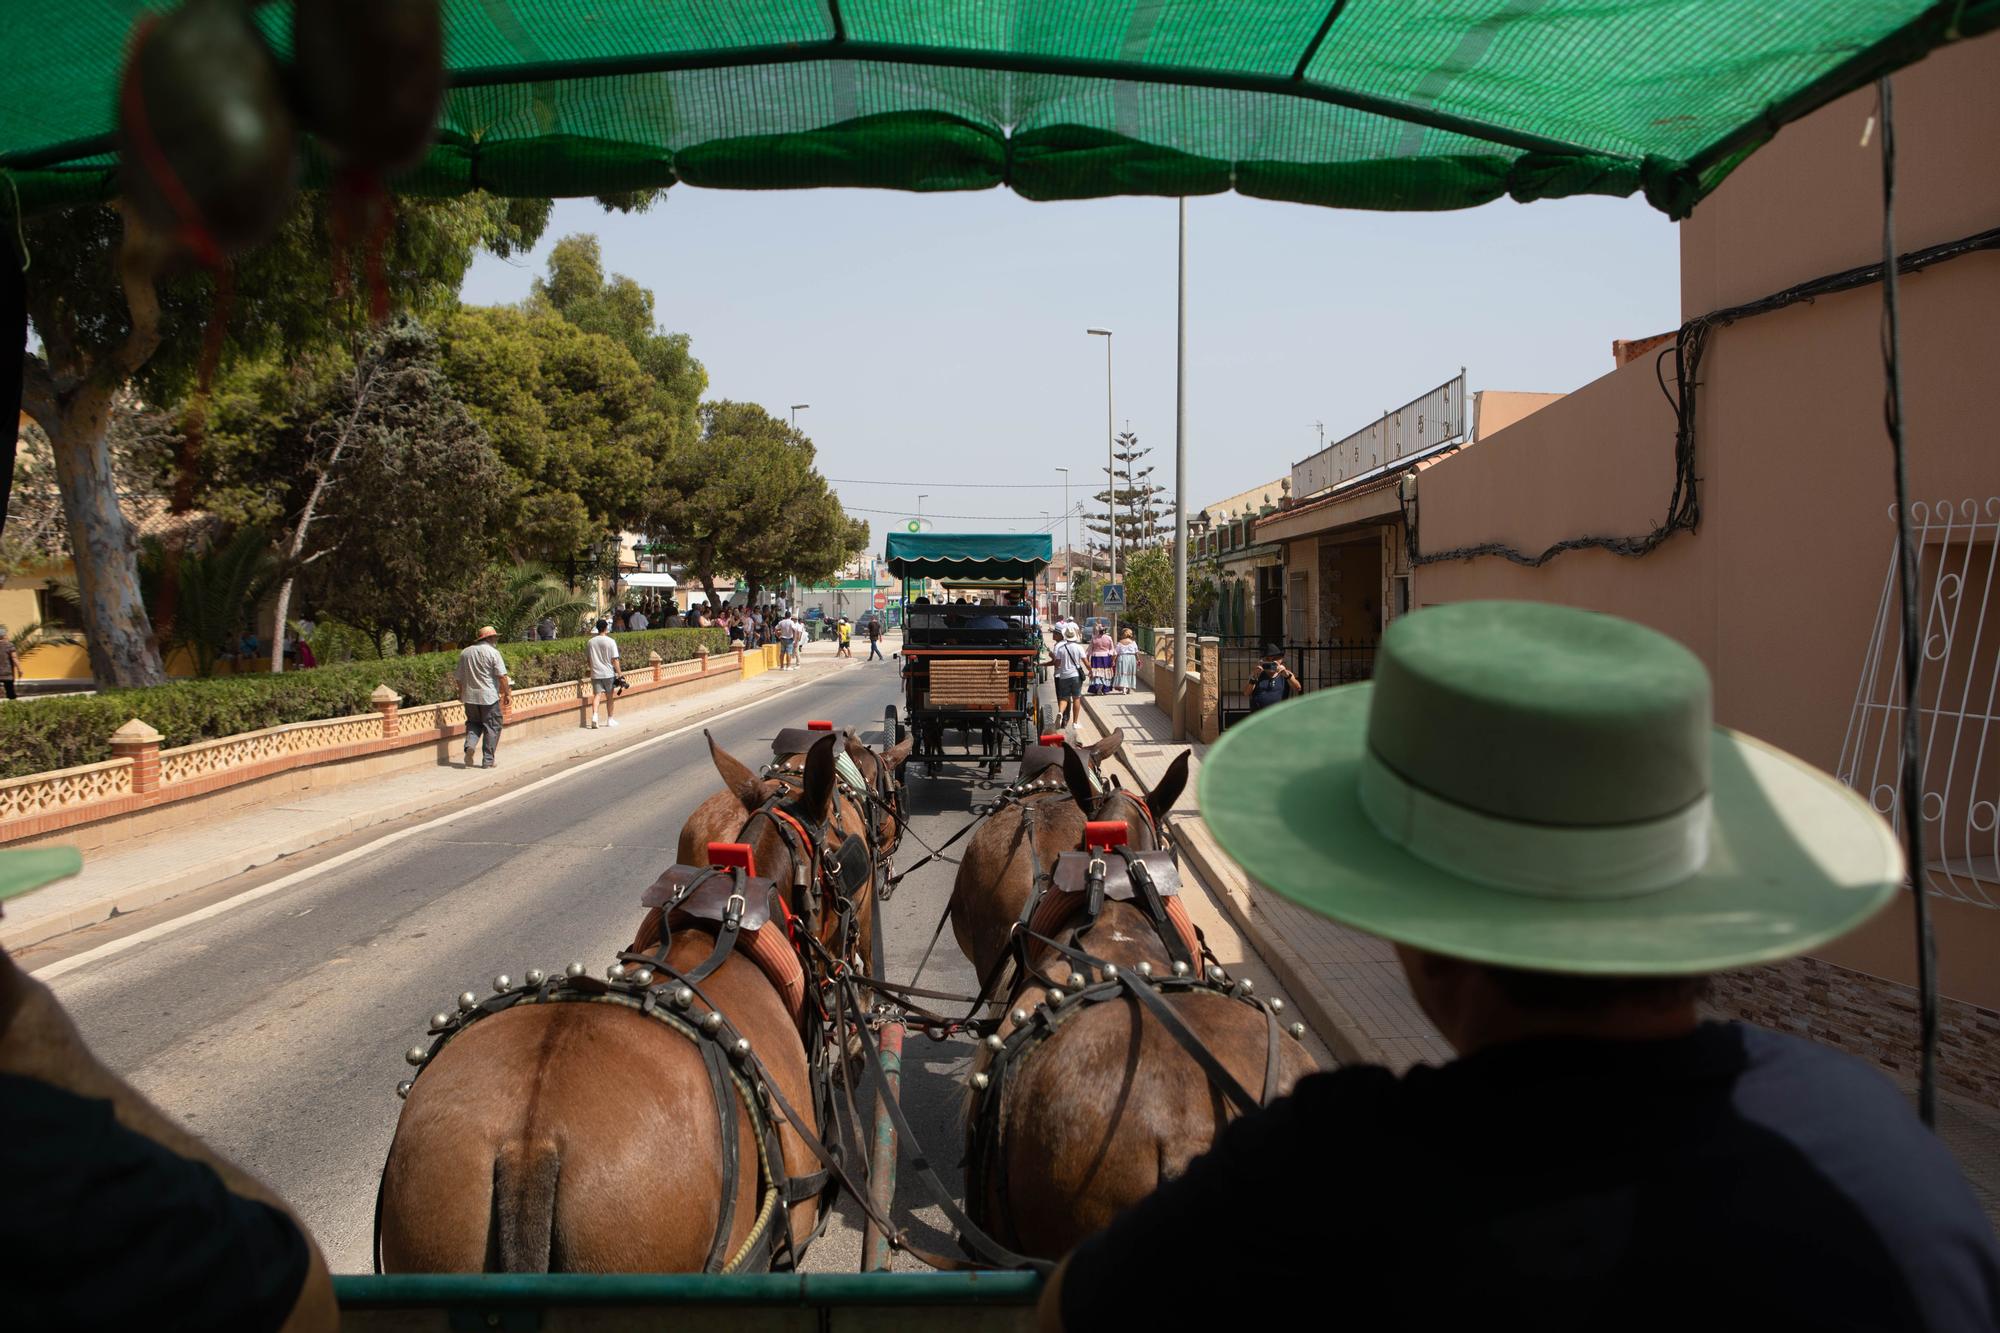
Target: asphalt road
(276, 1030)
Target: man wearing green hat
(111, 1215)
(1533, 804)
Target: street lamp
(796, 409)
(1110, 467)
(920, 510)
(1066, 545)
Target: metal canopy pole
(1177, 709)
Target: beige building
(1782, 585)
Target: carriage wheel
(892, 726)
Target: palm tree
(219, 588)
(531, 592)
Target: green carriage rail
(744, 1303)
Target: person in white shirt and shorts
(604, 661)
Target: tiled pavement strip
(169, 864)
(1348, 985)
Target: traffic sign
(881, 601)
(1113, 595)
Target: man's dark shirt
(103, 1228)
(1734, 1178)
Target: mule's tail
(524, 1207)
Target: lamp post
(1110, 468)
(796, 409)
(920, 510)
(1067, 548)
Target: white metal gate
(1957, 578)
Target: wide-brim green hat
(25, 870)
(1544, 788)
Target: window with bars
(1959, 690)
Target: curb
(132, 897)
(1237, 893)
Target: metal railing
(1318, 666)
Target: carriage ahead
(972, 650)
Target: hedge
(62, 731)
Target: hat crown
(1542, 714)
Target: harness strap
(725, 1111)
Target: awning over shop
(968, 555)
(650, 581)
(1389, 104)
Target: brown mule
(1095, 1116)
(581, 1137)
(1001, 860)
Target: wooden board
(970, 684)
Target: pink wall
(1779, 589)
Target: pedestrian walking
(1128, 661)
(789, 631)
(1533, 805)
(545, 628)
(1274, 682)
(875, 639)
(10, 663)
(846, 633)
(486, 692)
(1070, 664)
(1103, 659)
(604, 662)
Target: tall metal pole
(1069, 563)
(1110, 468)
(1177, 711)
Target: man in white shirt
(603, 651)
(639, 620)
(789, 631)
(1070, 661)
(485, 690)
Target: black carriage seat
(686, 896)
(1069, 895)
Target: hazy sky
(940, 338)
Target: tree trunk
(117, 631)
(278, 623)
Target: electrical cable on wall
(1689, 347)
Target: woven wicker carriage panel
(970, 685)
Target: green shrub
(62, 731)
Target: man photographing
(1274, 682)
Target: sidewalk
(163, 867)
(1349, 987)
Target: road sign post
(1113, 597)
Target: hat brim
(25, 870)
(1795, 858)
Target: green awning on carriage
(968, 555)
(1386, 104)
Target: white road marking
(112, 948)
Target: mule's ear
(1076, 776)
(1161, 798)
(818, 794)
(740, 781)
(898, 754)
(1110, 745)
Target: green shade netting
(1389, 104)
(968, 555)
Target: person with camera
(1274, 682)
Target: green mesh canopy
(1387, 104)
(1012, 556)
